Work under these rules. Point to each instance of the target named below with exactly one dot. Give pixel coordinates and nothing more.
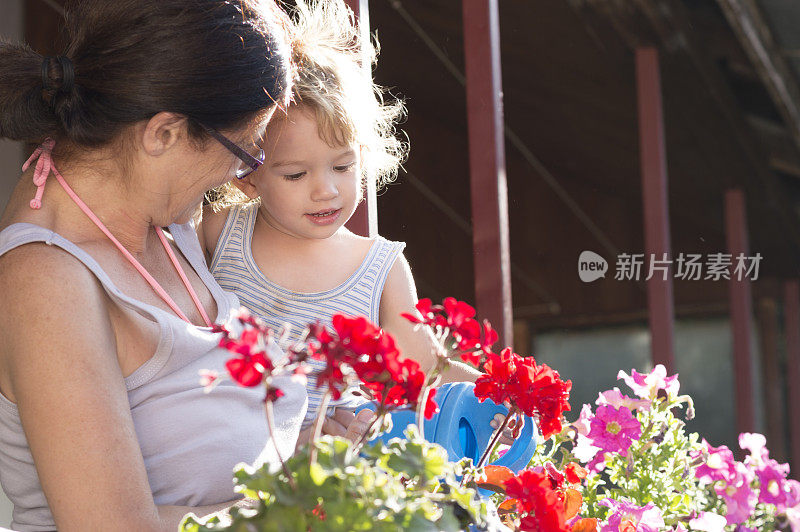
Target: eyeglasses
(249, 162)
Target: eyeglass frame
(238, 151)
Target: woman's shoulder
(47, 293)
(38, 270)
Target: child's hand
(347, 424)
(342, 423)
(514, 426)
(359, 425)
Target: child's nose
(325, 189)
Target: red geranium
(249, 370)
(431, 407)
(373, 355)
(458, 318)
(431, 314)
(542, 499)
(536, 390)
(541, 508)
(251, 365)
(575, 473)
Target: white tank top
(190, 440)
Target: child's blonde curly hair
(333, 79)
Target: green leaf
(318, 474)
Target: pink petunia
(772, 482)
(647, 385)
(756, 445)
(740, 499)
(719, 465)
(616, 399)
(614, 429)
(583, 424)
(793, 504)
(708, 522)
(624, 514)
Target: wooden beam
(755, 36)
(741, 312)
(488, 187)
(653, 161)
(768, 327)
(364, 221)
(791, 313)
(782, 153)
(523, 344)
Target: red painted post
(741, 309)
(364, 221)
(791, 311)
(653, 164)
(487, 162)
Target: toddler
(279, 241)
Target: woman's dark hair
(219, 62)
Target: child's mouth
(326, 217)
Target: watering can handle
(462, 413)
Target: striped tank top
(235, 270)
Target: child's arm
(400, 295)
(209, 229)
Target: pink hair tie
(44, 163)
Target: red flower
(249, 370)
(468, 335)
(536, 390)
(372, 354)
(273, 394)
(457, 312)
(489, 337)
(542, 508)
(252, 365)
(458, 318)
(430, 405)
(431, 314)
(318, 512)
(575, 473)
(555, 476)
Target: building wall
(11, 157)
(592, 358)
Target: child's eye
(294, 177)
(344, 167)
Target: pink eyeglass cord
(44, 165)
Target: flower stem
(496, 436)
(271, 425)
(423, 400)
(378, 415)
(323, 411)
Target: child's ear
(246, 186)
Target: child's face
(308, 189)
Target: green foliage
(657, 468)
(403, 485)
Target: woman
(103, 424)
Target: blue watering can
(462, 427)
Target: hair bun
(65, 82)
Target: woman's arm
(400, 295)
(58, 356)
